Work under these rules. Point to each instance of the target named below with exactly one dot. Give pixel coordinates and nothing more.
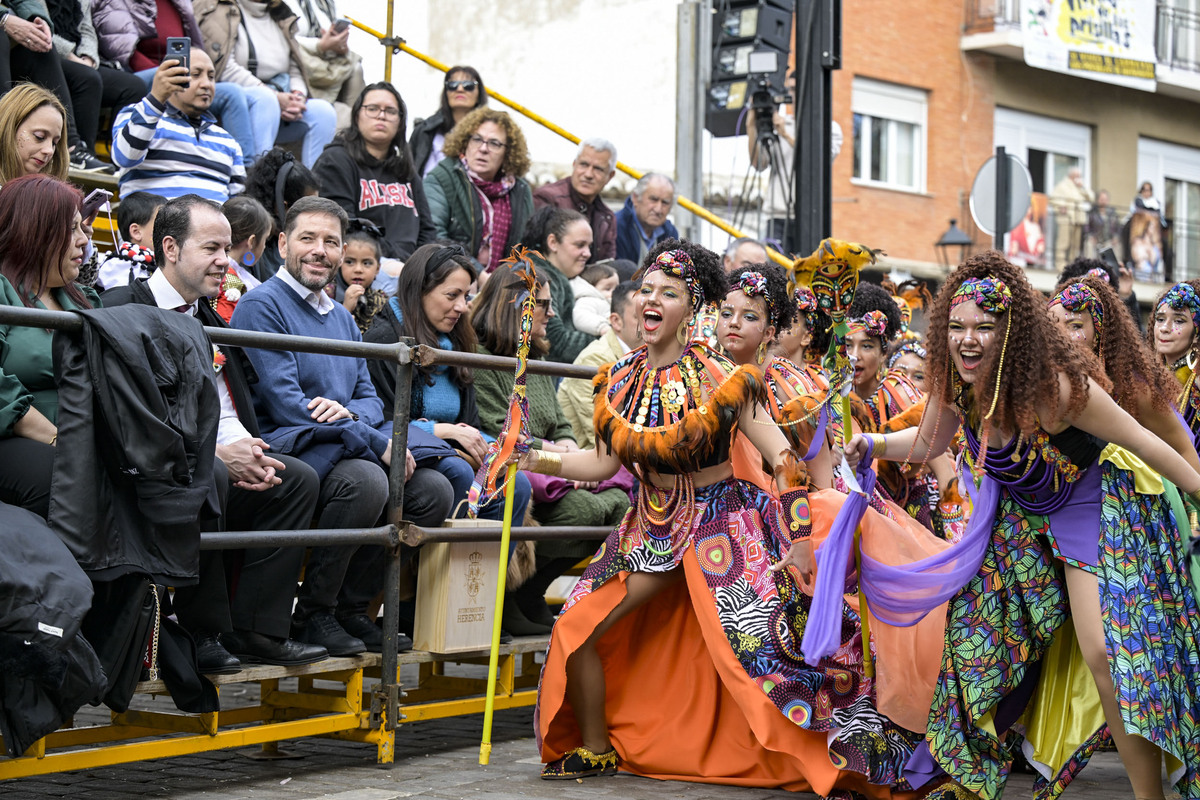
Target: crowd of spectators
(240, 206)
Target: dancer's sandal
(580, 763)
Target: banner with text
(1104, 40)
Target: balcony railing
(988, 15)
(1178, 39)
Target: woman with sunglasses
(368, 171)
(476, 193)
(462, 93)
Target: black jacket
(424, 131)
(238, 370)
(47, 670)
(137, 432)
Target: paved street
(435, 759)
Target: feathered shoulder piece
(670, 419)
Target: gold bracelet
(547, 463)
(1195, 496)
(878, 445)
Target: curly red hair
(1037, 353)
(1127, 360)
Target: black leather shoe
(322, 629)
(258, 648)
(212, 658)
(360, 625)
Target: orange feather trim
(909, 418)
(684, 446)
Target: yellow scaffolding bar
(393, 43)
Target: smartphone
(341, 25)
(94, 202)
(180, 49)
(1109, 257)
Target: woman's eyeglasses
(490, 144)
(387, 112)
(466, 86)
(544, 305)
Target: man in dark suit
(252, 623)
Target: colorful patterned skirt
(705, 681)
(1011, 667)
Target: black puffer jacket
(137, 432)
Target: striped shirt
(157, 149)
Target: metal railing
(1178, 37)
(404, 354)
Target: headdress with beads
(1078, 298)
(990, 294)
(873, 322)
(754, 284)
(909, 346)
(678, 264)
(1182, 297)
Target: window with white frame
(889, 134)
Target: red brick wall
(914, 44)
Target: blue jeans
(316, 127)
(460, 474)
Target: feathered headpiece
(488, 484)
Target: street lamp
(953, 237)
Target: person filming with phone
(170, 144)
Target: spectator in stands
(28, 53)
(323, 410)
(462, 93)
(561, 240)
(37, 270)
(476, 194)
(624, 334)
(170, 143)
(496, 318)
(249, 228)
(133, 36)
(643, 220)
(31, 134)
(259, 490)
(743, 253)
(1071, 201)
(360, 265)
(594, 166)
(277, 180)
(369, 172)
(334, 71)
(134, 258)
(430, 307)
(253, 44)
(593, 290)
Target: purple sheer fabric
(819, 437)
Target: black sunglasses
(469, 86)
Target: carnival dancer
(1176, 320)
(1049, 504)
(798, 342)
(704, 682)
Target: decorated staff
(832, 272)
(487, 480)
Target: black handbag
(122, 626)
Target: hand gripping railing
(390, 536)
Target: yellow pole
(485, 747)
(687, 204)
(387, 51)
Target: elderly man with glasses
(593, 167)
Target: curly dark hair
(782, 314)
(263, 177)
(1148, 337)
(1082, 266)
(714, 284)
(1037, 352)
(873, 297)
(1127, 360)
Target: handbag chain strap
(154, 636)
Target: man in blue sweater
(323, 410)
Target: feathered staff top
(676, 419)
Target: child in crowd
(134, 258)
(593, 290)
(360, 265)
(249, 229)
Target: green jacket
(27, 362)
(566, 342)
(494, 388)
(458, 212)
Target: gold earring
(681, 333)
(760, 355)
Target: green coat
(458, 212)
(27, 362)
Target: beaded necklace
(648, 398)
